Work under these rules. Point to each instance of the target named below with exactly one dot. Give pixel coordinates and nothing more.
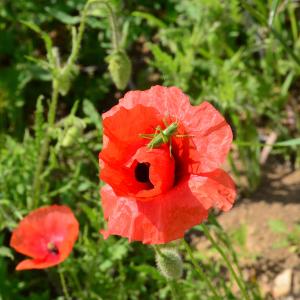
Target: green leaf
(152, 20)
(40, 62)
(149, 270)
(62, 16)
(273, 11)
(288, 143)
(6, 252)
(240, 235)
(32, 26)
(44, 36)
(91, 112)
(277, 226)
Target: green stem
(45, 146)
(76, 47)
(239, 282)
(224, 238)
(113, 23)
(115, 39)
(202, 276)
(55, 91)
(171, 283)
(173, 289)
(158, 251)
(114, 27)
(63, 284)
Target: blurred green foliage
(242, 56)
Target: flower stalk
(61, 83)
(238, 280)
(45, 144)
(63, 284)
(200, 272)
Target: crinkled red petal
(161, 171)
(166, 217)
(28, 264)
(122, 129)
(208, 138)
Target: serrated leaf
(40, 62)
(91, 112)
(44, 36)
(152, 20)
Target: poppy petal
(122, 130)
(166, 217)
(55, 225)
(209, 136)
(214, 189)
(210, 140)
(28, 264)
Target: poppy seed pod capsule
(169, 263)
(119, 66)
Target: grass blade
(273, 11)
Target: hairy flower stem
(112, 20)
(45, 145)
(63, 284)
(202, 276)
(77, 39)
(56, 84)
(77, 43)
(238, 280)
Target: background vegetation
(242, 56)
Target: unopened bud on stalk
(65, 78)
(169, 263)
(70, 137)
(119, 66)
(73, 132)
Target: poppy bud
(119, 66)
(65, 78)
(70, 137)
(169, 263)
(73, 129)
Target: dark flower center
(52, 248)
(142, 172)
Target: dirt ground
(275, 268)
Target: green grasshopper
(163, 136)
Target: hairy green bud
(70, 136)
(119, 66)
(65, 78)
(73, 129)
(169, 263)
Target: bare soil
(262, 257)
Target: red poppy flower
(154, 194)
(47, 235)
